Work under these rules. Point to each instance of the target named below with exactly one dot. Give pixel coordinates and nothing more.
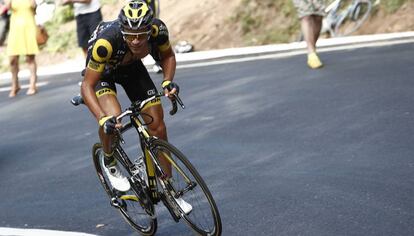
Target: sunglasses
(129, 36)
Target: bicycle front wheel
(186, 183)
(128, 203)
(356, 15)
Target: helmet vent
(135, 15)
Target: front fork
(166, 193)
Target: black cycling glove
(108, 124)
(166, 84)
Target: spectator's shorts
(85, 26)
(309, 7)
(133, 78)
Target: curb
(76, 65)
(289, 47)
(38, 232)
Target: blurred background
(212, 24)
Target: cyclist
(114, 56)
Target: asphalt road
(285, 150)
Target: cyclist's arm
(166, 53)
(168, 63)
(88, 93)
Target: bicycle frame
(152, 165)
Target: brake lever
(174, 107)
(174, 104)
(179, 101)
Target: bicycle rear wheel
(351, 21)
(128, 203)
(188, 184)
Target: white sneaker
(118, 181)
(185, 206)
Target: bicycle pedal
(115, 203)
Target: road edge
(76, 65)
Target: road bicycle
(344, 17)
(149, 181)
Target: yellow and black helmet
(135, 15)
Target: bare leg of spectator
(14, 67)
(31, 61)
(311, 27)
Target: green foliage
(61, 42)
(256, 19)
(60, 38)
(63, 14)
(103, 2)
(393, 5)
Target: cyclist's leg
(138, 89)
(157, 128)
(111, 107)
(106, 94)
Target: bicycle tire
(127, 203)
(204, 217)
(353, 19)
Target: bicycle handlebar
(137, 106)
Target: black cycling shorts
(133, 78)
(86, 25)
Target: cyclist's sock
(109, 159)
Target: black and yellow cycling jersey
(107, 47)
(107, 52)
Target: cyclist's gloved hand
(171, 87)
(108, 124)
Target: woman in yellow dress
(22, 41)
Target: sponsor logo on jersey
(151, 92)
